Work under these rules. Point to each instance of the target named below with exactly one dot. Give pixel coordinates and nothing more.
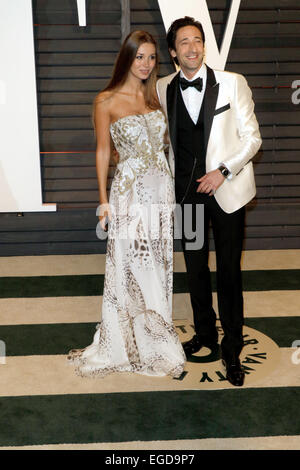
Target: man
(213, 136)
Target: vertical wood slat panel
(125, 21)
(146, 13)
(74, 63)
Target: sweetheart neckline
(134, 115)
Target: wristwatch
(225, 172)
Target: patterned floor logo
(204, 370)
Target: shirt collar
(201, 73)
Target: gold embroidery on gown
(136, 333)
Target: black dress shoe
(196, 343)
(234, 372)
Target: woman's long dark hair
(123, 64)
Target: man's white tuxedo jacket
(231, 132)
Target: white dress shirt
(191, 96)
(193, 99)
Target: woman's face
(144, 61)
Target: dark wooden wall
(74, 63)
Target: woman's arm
(103, 149)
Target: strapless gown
(136, 332)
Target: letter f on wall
(198, 9)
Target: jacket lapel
(172, 92)
(210, 101)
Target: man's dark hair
(180, 23)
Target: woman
(136, 333)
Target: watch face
(224, 171)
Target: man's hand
(210, 182)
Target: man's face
(189, 49)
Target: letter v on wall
(81, 9)
(198, 9)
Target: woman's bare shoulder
(104, 103)
(105, 99)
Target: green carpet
(84, 285)
(149, 416)
(28, 340)
(79, 417)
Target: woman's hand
(115, 156)
(104, 215)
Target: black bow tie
(195, 83)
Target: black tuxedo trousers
(228, 232)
